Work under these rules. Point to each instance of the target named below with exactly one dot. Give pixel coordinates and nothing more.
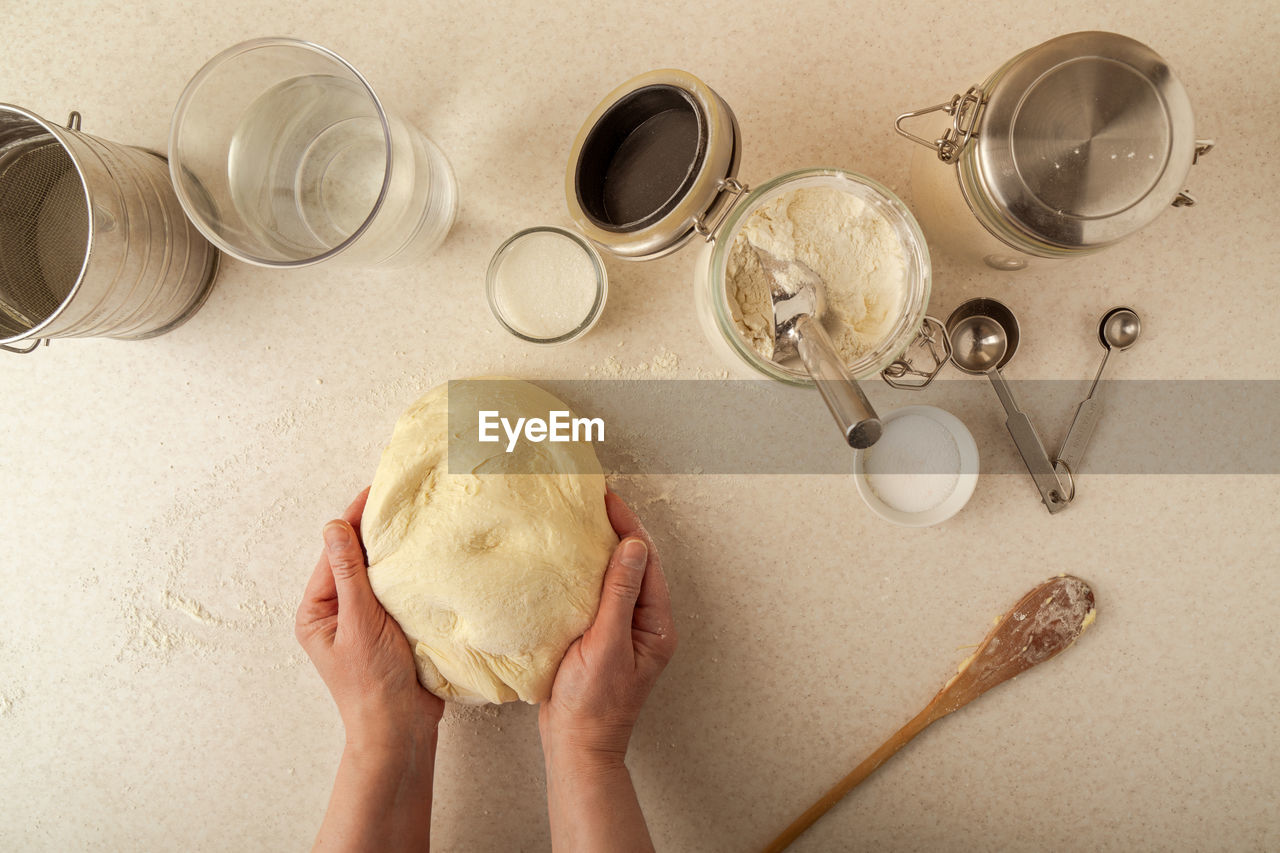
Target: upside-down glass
(283, 156)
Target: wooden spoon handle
(886, 751)
(1043, 623)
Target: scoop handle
(846, 401)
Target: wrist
(585, 751)
(411, 762)
(384, 740)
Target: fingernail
(634, 554)
(336, 537)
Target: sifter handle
(28, 348)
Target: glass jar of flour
(856, 234)
(654, 167)
(1066, 149)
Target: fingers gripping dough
(490, 575)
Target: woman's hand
(357, 647)
(608, 672)
(598, 691)
(382, 796)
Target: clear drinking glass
(283, 156)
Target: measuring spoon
(1045, 622)
(1118, 330)
(984, 336)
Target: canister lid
(1082, 140)
(651, 163)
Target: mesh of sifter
(44, 232)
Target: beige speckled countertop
(164, 499)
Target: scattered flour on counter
(852, 247)
(8, 701)
(458, 712)
(664, 501)
(265, 613)
(192, 608)
(195, 584)
(149, 633)
(665, 364)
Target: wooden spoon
(1046, 621)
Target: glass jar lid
(1081, 141)
(652, 165)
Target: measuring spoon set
(984, 335)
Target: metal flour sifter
(93, 242)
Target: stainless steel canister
(93, 242)
(1065, 149)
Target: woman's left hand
(359, 650)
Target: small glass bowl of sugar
(922, 471)
(547, 285)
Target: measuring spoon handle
(1078, 436)
(1030, 447)
(846, 401)
(1082, 425)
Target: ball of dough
(494, 572)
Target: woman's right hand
(608, 672)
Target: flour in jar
(845, 241)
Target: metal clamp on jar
(655, 167)
(1066, 149)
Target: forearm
(592, 802)
(381, 798)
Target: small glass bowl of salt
(923, 469)
(546, 285)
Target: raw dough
(494, 572)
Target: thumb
(350, 574)
(622, 581)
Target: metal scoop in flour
(799, 301)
